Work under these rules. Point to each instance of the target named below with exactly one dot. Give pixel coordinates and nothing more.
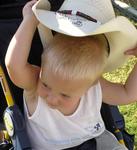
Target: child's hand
(131, 52)
(27, 11)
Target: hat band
(77, 13)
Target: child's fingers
(28, 7)
(128, 52)
(131, 52)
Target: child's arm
(21, 72)
(117, 94)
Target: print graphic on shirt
(95, 128)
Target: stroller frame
(13, 119)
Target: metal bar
(5, 88)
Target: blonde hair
(76, 57)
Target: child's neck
(69, 111)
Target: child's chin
(52, 106)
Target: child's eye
(64, 95)
(46, 86)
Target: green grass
(129, 111)
(130, 115)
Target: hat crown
(93, 8)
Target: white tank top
(49, 129)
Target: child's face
(61, 94)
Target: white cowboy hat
(86, 18)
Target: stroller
(16, 135)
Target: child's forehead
(72, 87)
